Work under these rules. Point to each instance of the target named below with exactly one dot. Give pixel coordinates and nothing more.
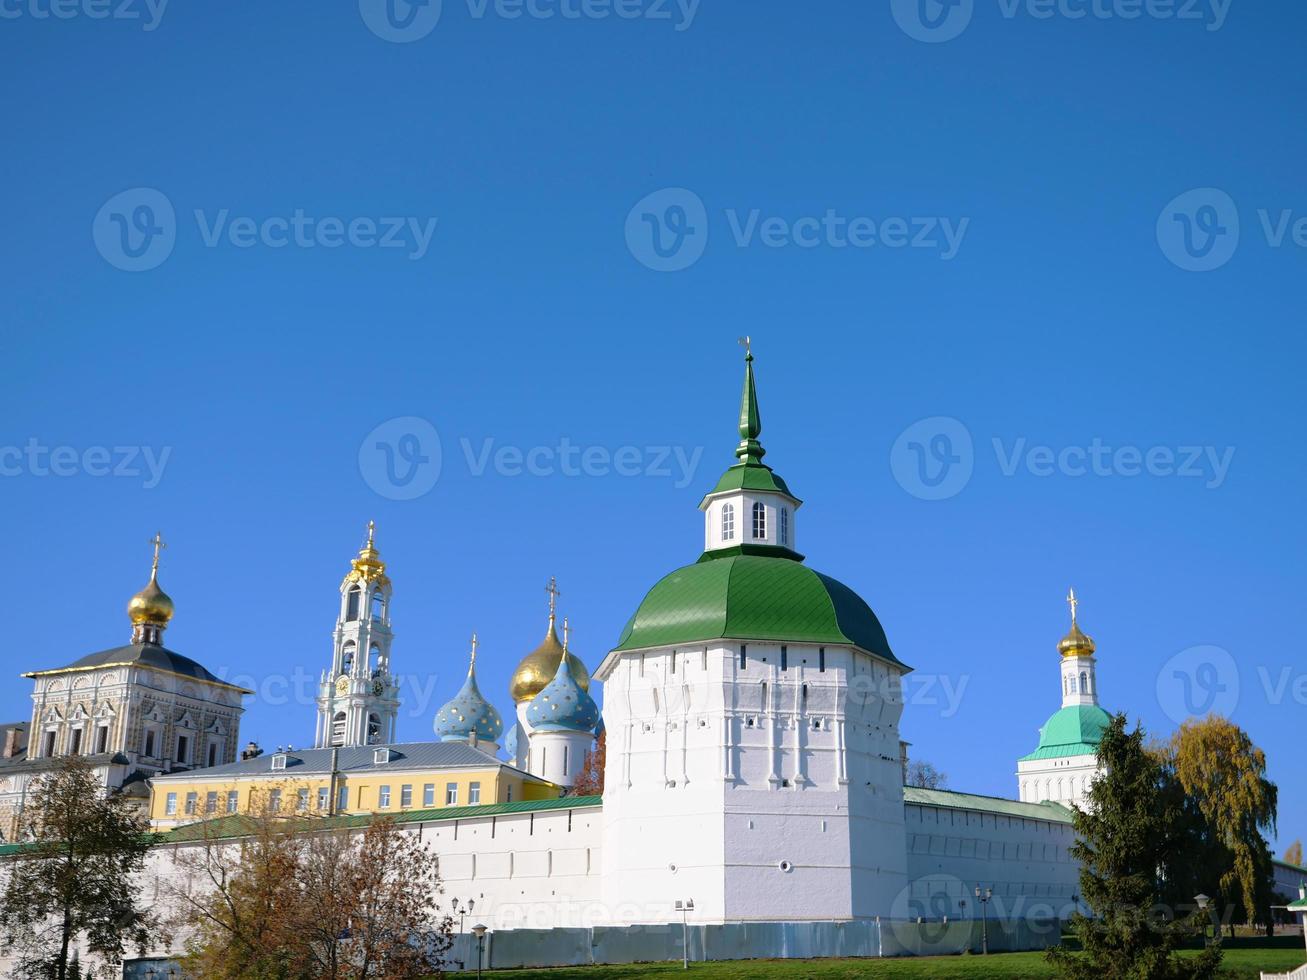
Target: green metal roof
(1055, 812)
(750, 475)
(239, 826)
(1075, 730)
(753, 598)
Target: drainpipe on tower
(331, 790)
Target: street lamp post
(479, 931)
(984, 897)
(1203, 901)
(464, 911)
(685, 908)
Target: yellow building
(345, 781)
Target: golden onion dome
(1076, 643)
(151, 605)
(539, 666)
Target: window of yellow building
(451, 794)
(406, 796)
(383, 800)
(429, 795)
(474, 793)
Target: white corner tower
(358, 699)
(752, 712)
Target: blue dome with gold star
(564, 705)
(469, 713)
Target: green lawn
(1240, 963)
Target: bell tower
(358, 698)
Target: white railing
(1298, 974)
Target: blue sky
(988, 230)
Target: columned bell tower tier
(358, 699)
(752, 712)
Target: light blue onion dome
(599, 728)
(469, 713)
(563, 705)
(510, 743)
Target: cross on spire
(372, 531)
(747, 343)
(1073, 602)
(567, 634)
(159, 545)
(473, 664)
(552, 589)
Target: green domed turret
(750, 583)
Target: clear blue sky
(531, 317)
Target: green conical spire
(749, 472)
(749, 450)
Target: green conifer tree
(1127, 848)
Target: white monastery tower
(752, 712)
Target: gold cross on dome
(159, 545)
(474, 649)
(372, 531)
(1073, 602)
(552, 589)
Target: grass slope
(1239, 963)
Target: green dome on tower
(1074, 730)
(756, 598)
(752, 590)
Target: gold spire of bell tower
(368, 566)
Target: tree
(1225, 774)
(74, 883)
(1126, 850)
(1293, 853)
(590, 781)
(925, 775)
(299, 898)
